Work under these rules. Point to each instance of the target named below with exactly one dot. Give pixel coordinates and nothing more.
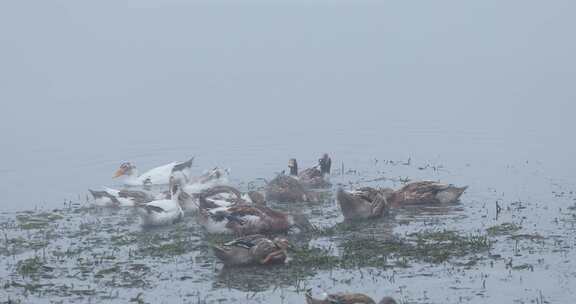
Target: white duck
(158, 176)
(165, 211)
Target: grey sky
(117, 76)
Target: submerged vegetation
(463, 253)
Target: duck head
(325, 163)
(293, 166)
(282, 243)
(127, 169)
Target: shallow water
(94, 255)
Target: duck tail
(451, 194)
(182, 166)
(94, 193)
(460, 190)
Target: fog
(86, 85)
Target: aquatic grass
(32, 221)
(361, 251)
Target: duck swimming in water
(129, 176)
(252, 250)
(164, 211)
(346, 298)
(424, 192)
(122, 198)
(225, 196)
(250, 219)
(363, 203)
(285, 188)
(315, 177)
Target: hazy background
(86, 85)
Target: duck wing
(159, 175)
(419, 192)
(139, 197)
(246, 242)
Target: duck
(252, 250)
(287, 188)
(315, 177)
(122, 198)
(346, 298)
(164, 211)
(212, 177)
(250, 219)
(363, 203)
(423, 193)
(129, 176)
(225, 196)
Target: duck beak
(118, 173)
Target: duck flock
(222, 209)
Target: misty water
(477, 94)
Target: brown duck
(315, 177)
(285, 188)
(252, 250)
(424, 192)
(363, 203)
(346, 298)
(250, 219)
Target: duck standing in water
(250, 219)
(158, 176)
(164, 211)
(252, 250)
(346, 298)
(363, 203)
(424, 192)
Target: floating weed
(32, 267)
(361, 251)
(31, 221)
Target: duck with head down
(122, 198)
(285, 188)
(346, 298)
(252, 250)
(250, 219)
(363, 203)
(424, 192)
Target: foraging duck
(121, 198)
(164, 211)
(284, 188)
(252, 250)
(158, 176)
(346, 298)
(312, 177)
(363, 203)
(424, 192)
(250, 219)
(215, 176)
